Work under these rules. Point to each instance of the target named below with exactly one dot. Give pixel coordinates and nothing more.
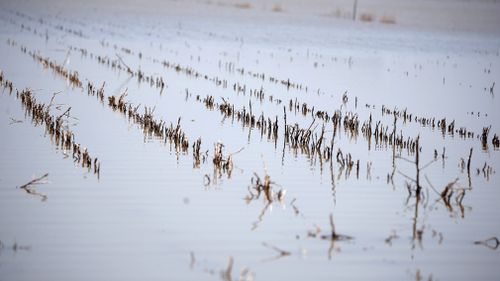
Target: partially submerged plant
(496, 142)
(484, 137)
(29, 186)
(266, 186)
(332, 235)
(63, 137)
(221, 163)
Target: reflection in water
(29, 187)
(207, 101)
(333, 236)
(281, 253)
(491, 243)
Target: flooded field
(226, 140)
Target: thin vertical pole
(354, 10)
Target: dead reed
(29, 186)
(71, 76)
(63, 137)
(264, 185)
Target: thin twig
(66, 113)
(407, 177)
(14, 121)
(430, 184)
(280, 251)
(240, 150)
(406, 159)
(428, 164)
(34, 181)
(121, 60)
(27, 187)
(52, 99)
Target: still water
(154, 213)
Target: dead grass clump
(244, 5)
(62, 136)
(196, 153)
(93, 91)
(448, 192)
(6, 83)
(118, 103)
(277, 8)
(484, 137)
(264, 185)
(495, 141)
(386, 19)
(366, 17)
(222, 164)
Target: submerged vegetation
(205, 117)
